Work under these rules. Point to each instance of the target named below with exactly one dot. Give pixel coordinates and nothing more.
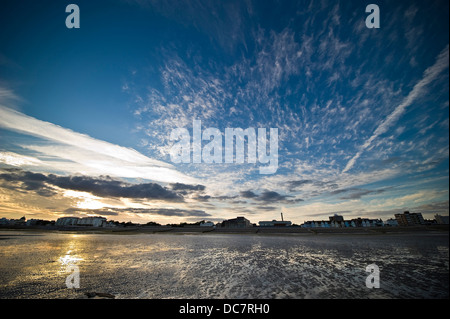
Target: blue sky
(86, 114)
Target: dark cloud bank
(103, 186)
(154, 211)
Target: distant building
(19, 222)
(67, 221)
(391, 222)
(109, 224)
(366, 222)
(207, 224)
(409, 219)
(336, 218)
(38, 222)
(33, 222)
(13, 222)
(275, 223)
(324, 224)
(238, 222)
(316, 224)
(339, 222)
(441, 219)
(85, 221)
(306, 225)
(92, 221)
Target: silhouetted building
(391, 222)
(13, 222)
(356, 222)
(207, 224)
(366, 222)
(275, 223)
(316, 224)
(336, 218)
(39, 222)
(67, 221)
(238, 222)
(441, 219)
(409, 219)
(92, 221)
(85, 221)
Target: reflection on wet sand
(223, 266)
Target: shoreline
(250, 230)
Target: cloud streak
(91, 154)
(362, 114)
(419, 89)
(170, 212)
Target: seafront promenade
(247, 230)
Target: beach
(130, 265)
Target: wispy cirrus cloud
(419, 89)
(84, 153)
(14, 159)
(344, 98)
(326, 90)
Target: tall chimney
(282, 217)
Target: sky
(86, 114)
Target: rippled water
(33, 265)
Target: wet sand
(249, 230)
(33, 264)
